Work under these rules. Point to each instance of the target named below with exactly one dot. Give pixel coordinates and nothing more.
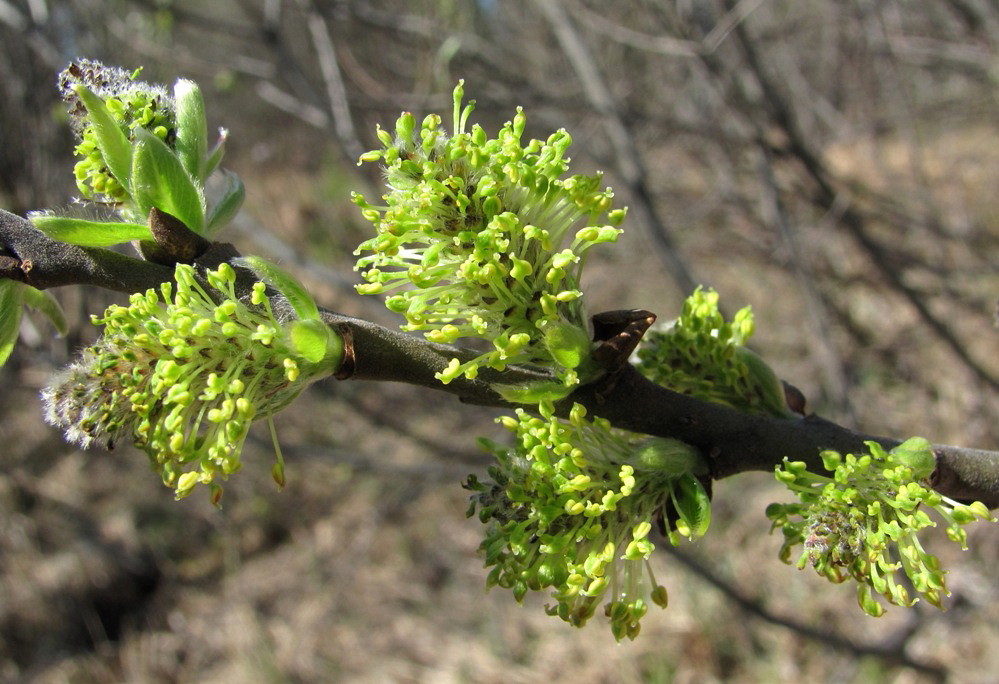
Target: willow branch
(29, 256)
(734, 442)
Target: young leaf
(11, 300)
(693, 506)
(192, 129)
(533, 392)
(77, 231)
(285, 283)
(670, 456)
(764, 382)
(229, 203)
(160, 180)
(569, 345)
(45, 303)
(216, 153)
(115, 148)
(317, 342)
(916, 453)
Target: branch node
(173, 242)
(794, 398)
(349, 357)
(618, 333)
(10, 267)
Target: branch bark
(734, 442)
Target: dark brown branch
(29, 256)
(735, 442)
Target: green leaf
(533, 392)
(669, 456)
(917, 454)
(84, 233)
(45, 303)
(285, 283)
(114, 145)
(11, 307)
(160, 180)
(693, 505)
(317, 343)
(192, 128)
(229, 203)
(569, 345)
(764, 382)
(309, 341)
(216, 153)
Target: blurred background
(834, 165)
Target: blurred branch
(817, 316)
(410, 25)
(213, 24)
(656, 44)
(30, 27)
(891, 649)
(286, 102)
(734, 442)
(336, 93)
(929, 52)
(627, 159)
(735, 15)
(12, 17)
(970, 15)
(826, 197)
(667, 45)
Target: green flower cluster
(571, 506)
(141, 148)
(185, 372)
(482, 237)
(863, 521)
(132, 104)
(702, 355)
